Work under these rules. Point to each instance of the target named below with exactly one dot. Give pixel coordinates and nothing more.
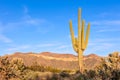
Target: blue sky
(43, 25)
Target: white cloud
(108, 30)
(103, 46)
(18, 48)
(27, 19)
(62, 46)
(106, 22)
(106, 25)
(104, 14)
(33, 21)
(103, 40)
(5, 39)
(97, 48)
(23, 22)
(30, 47)
(39, 25)
(46, 45)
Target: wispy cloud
(104, 14)
(106, 22)
(101, 49)
(103, 46)
(5, 39)
(23, 23)
(107, 14)
(102, 40)
(106, 25)
(108, 30)
(26, 47)
(25, 9)
(52, 47)
(62, 46)
(18, 48)
(26, 20)
(46, 45)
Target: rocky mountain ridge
(56, 60)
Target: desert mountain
(61, 61)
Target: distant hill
(61, 61)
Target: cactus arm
(80, 43)
(79, 30)
(82, 36)
(87, 35)
(76, 45)
(72, 36)
(76, 41)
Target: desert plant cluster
(107, 69)
(14, 69)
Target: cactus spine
(79, 44)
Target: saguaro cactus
(79, 44)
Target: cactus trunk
(80, 43)
(80, 61)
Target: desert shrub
(79, 76)
(36, 67)
(109, 67)
(11, 69)
(31, 75)
(64, 74)
(51, 69)
(15, 70)
(54, 77)
(90, 74)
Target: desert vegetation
(108, 68)
(80, 44)
(14, 69)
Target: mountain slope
(62, 61)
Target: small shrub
(40, 68)
(64, 74)
(32, 75)
(109, 67)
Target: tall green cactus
(80, 43)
